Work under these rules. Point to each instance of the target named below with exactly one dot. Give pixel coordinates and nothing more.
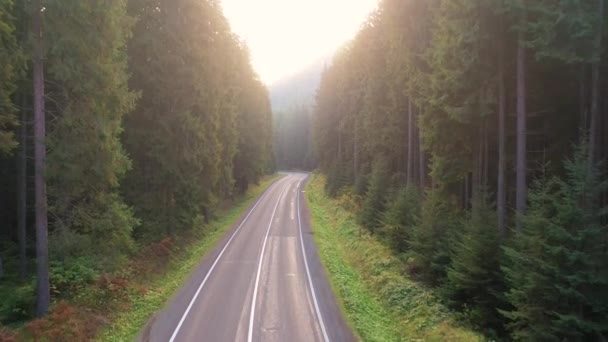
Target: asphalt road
(262, 282)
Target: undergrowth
(379, 300)
(115, 306)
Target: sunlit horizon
(286, 35)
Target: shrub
(65, 323)
(7, 335)
(70, 275)
(18, 303)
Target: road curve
(262, 282)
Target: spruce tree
(473, 277)
(8, 73)
(375, 197)
(430, 238)
(87, 76)
(400, 217)
(556, 268)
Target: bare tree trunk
(475, 173)
(501, 197)
(422, 161)
(22, 160)
(582, 94)
(409, 141)
(340, 145)
(486, 158)
(595, 90)
(521, 169)
(22, 192)
(466, 191)
(356, 151)
(42, 262)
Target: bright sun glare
(286, 35)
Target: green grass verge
(378, 299)
(125, 326)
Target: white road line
(181, 321)
(257, 278)
(312, 288)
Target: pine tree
(90, 96)
(400, 217)
(375, 197)
(556, 267)
(429, 239)
(8, 51)
(473, 277)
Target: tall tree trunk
(466, 191)
(475, 172)
(521, 169)
(356, 151)
(486, 158)
(340, 143)
(22, 157)
(22, 192)
(42, 262)
(501, 197)
(582, 98)
(421, 157)
(409, 141)
(595, 90)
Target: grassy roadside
(126, 325)
(379, 301)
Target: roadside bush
(67, 276)
(7, 335)
(65, 323)
(18, 303)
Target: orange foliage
(7, 335)
(65, 323)
(154, 256)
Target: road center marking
(181, 321)
(257, 278)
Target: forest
(472, 137)
(122, 123)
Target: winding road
(262, 282)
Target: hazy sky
(286, 35)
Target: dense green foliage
(466, 101)
(556, 267)
(377, 300)
(154, 117)
(8, 65)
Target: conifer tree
(90, 96)
(556, 268)
(375, 197)
(8, 51)
(430, 238)
(473, 276)
(400, 217)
